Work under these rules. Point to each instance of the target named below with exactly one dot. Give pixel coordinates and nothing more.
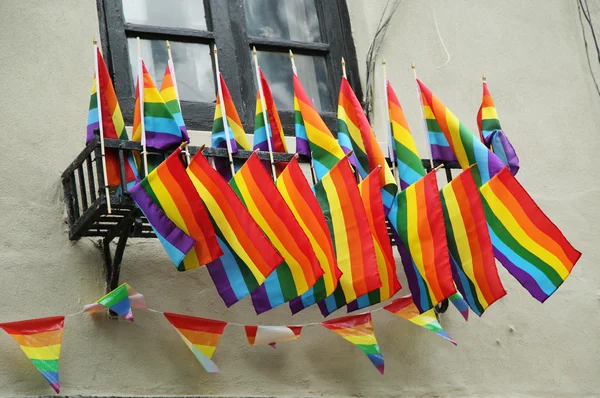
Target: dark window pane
(283, 19)
(193, 66)
(172, 14)
(311, 71)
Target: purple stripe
(353, 306)
(523, 277)
(221, 281)
(90, 131)
(443, 153)
(302, 147)
(161, 140)
(260, 299)
(296, 305)
(500, 144)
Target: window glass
(172, 14)
(312, 71)
(193, 67)
(278, 19)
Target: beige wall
(533, 55)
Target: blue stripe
(387, 199)
(424, 299)
(273, 289)
(498, 149)
(376, 359)
(179, 119)
(301, 132)
(407, 174)
(93, 116)
(161, 125)
(218, 140)
(363, 301)
(51, 377)
(436, 138)
(486, 133)
(320, 170)
(464, 284)
(122, 307)
(330, 303)
(234, 275)
(260, 136)
(174, 254)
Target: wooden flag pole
(264, 113)
(426, 130)
(101, 128)
(223, 111)
(141, 96)
(344, 68)
(391, 151)
(174, 78)
(484, 80)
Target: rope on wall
(584, 9)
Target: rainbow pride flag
(162, 130)
(438, 142)
(325, 150)
(355, 134)
(370, 191)
(525, 240)
(358, 329)
(491, 132)
(262, 335)
(241, 238)
(40, 339)
(418, 219)
(302, 145)
(340, 200)
(471, 251)
(171, 189)
(113, 125)
(405, 308)
(118, 301)
(237, 136)
(168, 91)
(459, 302)
(200, 335)
(467, 148)
(300, 269)
(410, 167)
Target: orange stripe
(199, 337)
(43, 339)
(348, 107)
(310, 116)
(427, 243)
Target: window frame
(226, 27)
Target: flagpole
(223, 111)
(484, 80)
(264, 113)
(391, 151)
(344, 68)
(414, 69)
(358, 176)
(141, 96)
(312, 167)
(174, 78)
(101, 128)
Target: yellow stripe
(428, 112)
(352, 128)
(218, 113)
(425, 318)
(509, 222)
(341, 239)
(462, 240)
(151, 94)
(384, 290)
(258, 105)
(207, 350)
(414, 241)
(404, 137)
(292, 262)
(49, 352)
(117, 119)
(239, 134)
(365, 339)
(459, 148)
(489, 112)
(168, 94)
(323, 140)
(223, 223)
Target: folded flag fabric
(262, 335)
(370, 191)
(418, 219)
(466, 147)
(235, 129)
(471, 251)
(358, 329)
(136, 300)
(323, 146)
(116, 300)
(113, 125)
(438, 141)
(355, 134)
(200, 335)
(168, 91)
(405, 307)
(161, 129)
(300, 269)
(525, 240)
(460, 304)
(410, 167)
(492, 134)
(40, 339)
(236, 228)
(171, 189)
(299, 196)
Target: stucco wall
(533, 55)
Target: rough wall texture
(533, 55)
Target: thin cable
(437, 29)
(585, 43)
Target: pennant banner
(262, 335)
(118, 302)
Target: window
(317, 31)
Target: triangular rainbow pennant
(262, 335)
(119, 302)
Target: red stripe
(193, 323)
(251, 333)
(274, 121)
(345, 101)
(347, 321)
(34, 326)
(392, 95)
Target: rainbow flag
(355, 134)
(491, 132)
(438, 142)
(168, 91)
(467, 148)
(418, 219)
(300, 269)
(370, 191)
(262, 335)
(340, 200)
(405, 307)
(162, 130)
(136, 300)
(459, 302)
(326, 152)
(471, 251)
(118, 301)
(200, 335)
(113, 125)
(243, 239)
(237, 136)
(171, 189)
(358, 329)
(302, 145)
(40, 339)
(525, 240)
(410, 167)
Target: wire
(588, 18)
(437, 29)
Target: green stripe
(410, 159)
(369, 348)
(433, 125)
(374, 296)
(148, 189)
(157, 109)
(286, 282)
(319, 291)
(490, 124)
(218, 126)
(324, 157)
(466, 137)
(93, 102)
(361, 156)
(173, 106)
(298, 117)
(259, 121)
(46, 365)
(340, 298)
(321, 196)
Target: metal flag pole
(391, 151)
(414, 69)
(141, 96)
(223, 112)
(174, 78)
